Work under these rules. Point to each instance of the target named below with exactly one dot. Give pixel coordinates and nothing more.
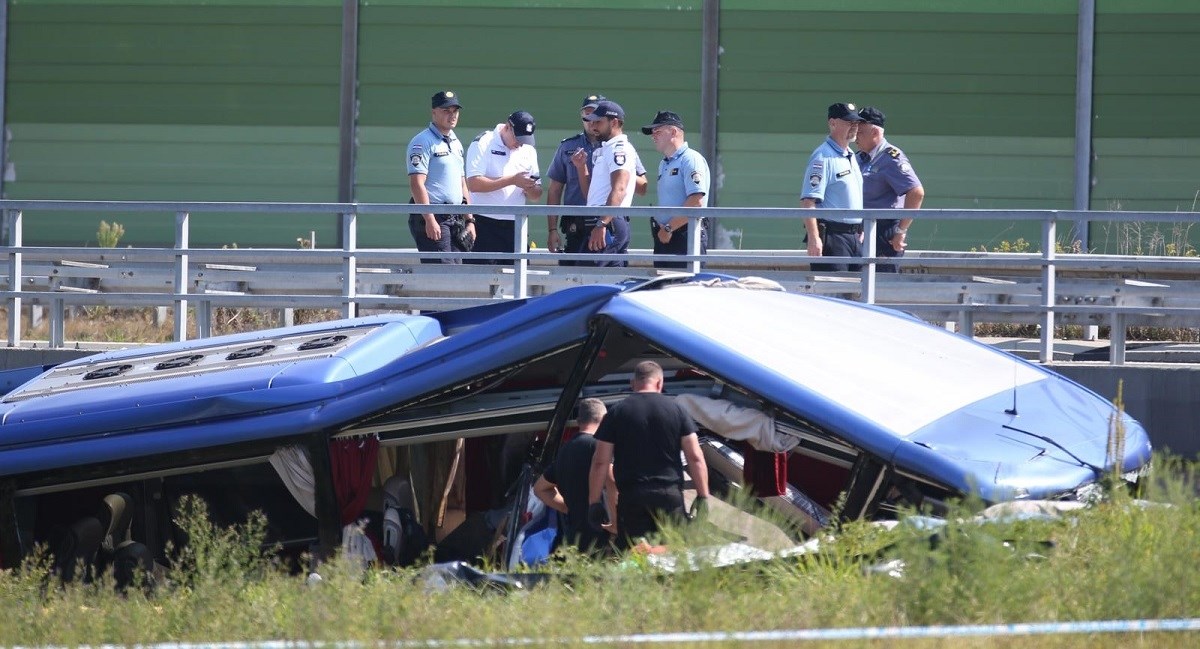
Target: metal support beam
(1046, 346)
(348, 113)
(182, 238)
(16, 275)
(329, 524)
(3, 94)
(1085, 48)
(349, 237)
(710, 64)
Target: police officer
(683, 179)
(612, 182)
(833, 180)
(435, 175)
(569, 174)
(502, 169)
(888, 182)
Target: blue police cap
(445, 98)
(606, 108)
(848, 112)
(663, 118)
(591, 100)
(872, 115)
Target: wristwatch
(667, 227)
(469, 219)
(901, 231)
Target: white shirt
(489, 156)
(614, 154)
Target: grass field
(1121, 559)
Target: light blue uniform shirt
(441, 160)
(834, 180)
(679, 176)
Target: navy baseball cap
(591, 100)
(522, 126)
(872, 115)
(848, 112)
(445, 98)
(606, 108)
(663, 118)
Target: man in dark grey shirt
(564, 484)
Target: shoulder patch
(696, 177)
(417, 147)
(619, 159)
(905, 168)
(415, 160)
(893, 151)
(814, 181)
(480, 136)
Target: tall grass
(1120, 559)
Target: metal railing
(1026, 289)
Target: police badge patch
(619, 159)
(415, 159)
(905, 168)
(696, 177)
(814, 181)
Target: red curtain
(353, 463)
(764, 472)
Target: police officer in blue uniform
(683, 181)
(833, 180)
(435, 175)
(888, 182)
(569, 175)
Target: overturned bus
(806, 401)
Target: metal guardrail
(964, 288)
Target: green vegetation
(109, 234)
(1119, 559)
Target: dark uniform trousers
(616, 241)
(677, 245)
(640, 509)
(884, 229)
(839, 240)
(493, 235)
(416, 226)
(573, 238)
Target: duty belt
(834, 226)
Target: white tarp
(736, 422)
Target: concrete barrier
(1161, 396)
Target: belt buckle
(571, 228)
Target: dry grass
(103, 324)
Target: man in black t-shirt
(642, 437)
(564, 484)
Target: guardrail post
(521, 264)
(349, 263)
(58, 324)
(15, 274)
(181, 275)
(1116, 340)
(204, 318)
(867, 295)
(695, 229)
(1046, 347)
